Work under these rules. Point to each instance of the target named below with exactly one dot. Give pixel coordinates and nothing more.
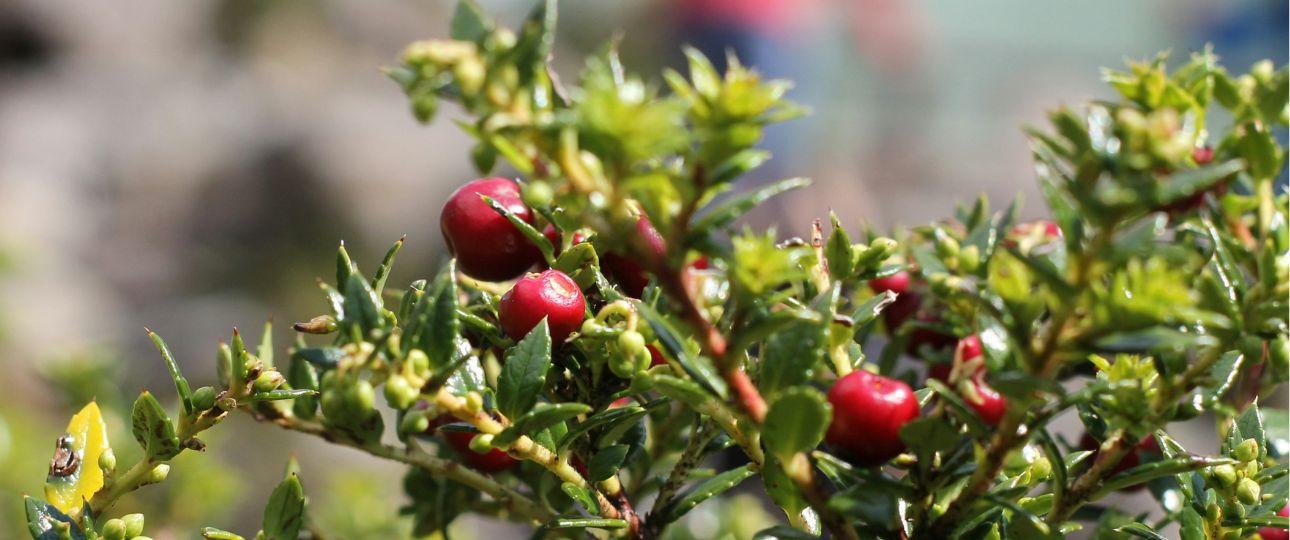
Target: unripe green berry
(361, 396)
(1225, 475)
(204, 398)
(269, 381)
(538, 194)
(133, 525)
(114, 529)
(1247, 451)
(970, 258)
(107, 460)
(419, 362)
(1247, 491)
(631, 342)
(415, 422)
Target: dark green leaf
(708, 489)
(383, 271)
(152, 428)
(524, 373)
(586, 523)
(443, 326)
(605, 419)
(1140, 530)
(362, 306)
(1156, 469)
(783, 532)
(1224, 372)
(323, 357)
(278, 395)
(285, 512)
(582, 496)
(929, 435)
(529, 231)
(1250, 424)
(837, 251)
(44, 521)
(302, 375)
(606, 462)
(796, 422)
(698, 370)
(1188, 182)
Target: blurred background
(191, 165)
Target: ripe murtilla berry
(551, 295)
(868, 412)
(1276, 533)
(552, 235)
(487, 246)
(1147, 447)
(627, 271)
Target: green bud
(322, 324)
(1279, 356)
(869, 257)
(1041, 468)
(399, 393)
(1247, 451)
(419, 362)
(970, 259)
(1225, 475)
(415, 422)
(470, 72)
(114, 529)
(1247, 491)
(538, 194)
(361, 396)
(623, 364)
(107, 460)
(158, 473)
(482, 443)
(268, 381)
(474, 401)
(133, 525)
(226, 403)
(947, 247)
(204, 398)
(589, 326)
(1234, 509)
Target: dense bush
(587, 399)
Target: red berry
(655, 357)
(897, 283)
(1202, 155)
(989, 405)
(969, 347)
(552, 295)
(486, 245)
(492, 461)
(868, 412)
(628, 272)
(554, 236)
(701, 263)
(1146, 447)
(1274, 533)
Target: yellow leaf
(74, 475)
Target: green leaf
(443, 326)
(1157, 469)
(738, 164)
(791, 355)
(727, 212)
(302, 375)
(1140, 530)
(469, 23)
(323, 357)
(383, 271)
(1190, 525)
(796, 422)
(362, 306)
(1250, 424)
(152, 428)
(1224, 373)
(285, 512)
(606, 462)
(181, 384)
(44, 522)
(282, 394)
(1186, 183)
(681, 390)
(708, 489)
(543, 415)
(870, 309)
(960, 407)
(586, 523)
(607, 419)
(700, 371)
(524, 374)
(927, 435)
(582, 496)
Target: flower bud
(474, 401)
(399, 393)
(204, 398)
(470, 72)
(360, 396)
(482, 443)
(114, 529)
(1247, 491)
(322, 324)
(1213, 513)
(158, 473)
(1041, 468)
(1225, 475)
(415, 422)
(419, 362)
(226, 403)
(947, 247)
(631, 342)
(269, 381)
(1247, 451)
(107, 460)
(133, 525)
